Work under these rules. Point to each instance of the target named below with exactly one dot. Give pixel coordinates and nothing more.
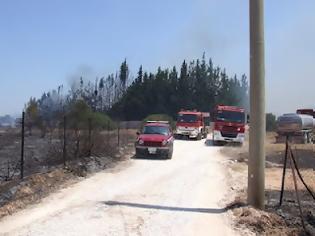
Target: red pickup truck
(156, 139)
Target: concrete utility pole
(257, 133)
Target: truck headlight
(164, 142)
(141, 142)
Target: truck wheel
(170, 154)
(309, 138)
(305, 141)
(199, 137)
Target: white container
(292, 123)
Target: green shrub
(80, 114)
(102, 121)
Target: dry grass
(32, 189)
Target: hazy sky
(44, 43)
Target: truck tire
(305, 138)
(178, 136)
(199, 136)
(170, 154)
(309, 138)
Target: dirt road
(182, 196)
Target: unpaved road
(182, 196)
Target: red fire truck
(228, 124)
(191, 124)
(310, 112)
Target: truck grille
(152, 144)
(229, 129)
(228, 135)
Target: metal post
(22, 146)
(90, 137)
(108, 134)
(118, 134)
(7, 178)
(256, 164)
(64, 141)
(296, 190)
(284, 169)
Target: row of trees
(197, 85)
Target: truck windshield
(155, 130)
(187, 118)
(231, 116)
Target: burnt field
(276, 220)
(42, 153)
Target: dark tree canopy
(197, 84)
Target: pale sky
(45, 43)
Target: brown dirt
(284, 220)
(15, 195)
(32, 189)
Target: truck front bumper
(189, 133)
(217, 136)
(145, 151)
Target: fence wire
(59, 144)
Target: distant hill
(7, 121)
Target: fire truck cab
(228, 124)
(191, 124)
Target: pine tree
(139, 78)
(123, 76)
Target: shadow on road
(210, 143)
(168, 208)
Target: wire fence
(28, 150)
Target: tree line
(198, 84)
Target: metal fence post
(108, 135)
(118, 134)
(90, 137)
(22, 146)
(8, 172)
(127, 133)
(64, 152)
